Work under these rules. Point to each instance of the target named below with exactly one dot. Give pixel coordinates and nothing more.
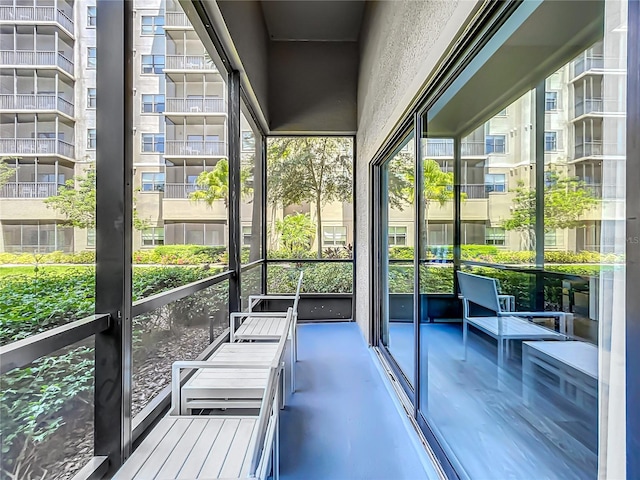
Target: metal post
(457, 209)
(263, 227)
(234, 189)
(114, 172)
(420, 374)
(632, 298)
(354, 228)
(539, 185)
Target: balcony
(194, 105)
(37, 102)
(36, 14)
(29, 190)
(596, 105)
(33, 59)
(597, 149)
(176, 20)
(189, 63)
(474, 191)
(180, 190)
(196, 148)
(444, 148)
(588, 63)
(36, 146)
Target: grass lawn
(28, 269)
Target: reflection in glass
(251, 189)
(397, 245)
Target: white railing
(474, 190)
(189, 62)
(443, 147)
(32, 58)
(36, 146)
(176, 19)
(29, 190)
(36, 14)
(195, 148)
(195, 105)
(35, 102)
(180, 190)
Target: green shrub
(329, 277)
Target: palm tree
(215, 184)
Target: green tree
(215, 184)
(76, 200)
(565, 200)
(314, 170)
(6, 171)
(296, 234)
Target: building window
(91, 237)
(152, 142)
(502, 113)
(91, 138)
(248, 140)
(91, 98)
(152, 103)
(153, 182)
(550, 141)
(494, 236)
(495, 182)
(550, 101)
(91, 57)
(495, 144)
(550, 239)
(397, 236)
(246, 235)
(91, 16)
(152, 63)
(152, 25)
(334, 236)
(152, 237)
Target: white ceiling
(314, 20)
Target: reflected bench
(503, 326)
(569, 369)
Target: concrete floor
(342, 423)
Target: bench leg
(527, 377)
(295, 343)
(293, 366)
(276, 453)
(283, 387)
(500, 352)
(465, 329)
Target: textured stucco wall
(401, 43)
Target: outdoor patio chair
(503, 326)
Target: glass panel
(533, 401)
(251, 178)
(251, 284)
(46, 415)
(397, 209)
(180, 151)
(309, 186)
(180, 330)
(322, 277)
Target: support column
(539, 185)
(233, 115)
(114, 172)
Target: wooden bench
(567, 368)
(503, 326)
(234, 376)
(212, 447)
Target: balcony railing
(180, 190)
(176, 19)
(29, 190)
(36, 14)
(189, 62)
(195, 105)
(474, 190)
(36, 146)
(36, 59)
(586, 63)
(589, 149)
(36, 102)
(596, 105)
(444, 148)
(195, 148)
(603, 191)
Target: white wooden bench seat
(503, 326)
(234, 376)
(569, 368)
(261, 327)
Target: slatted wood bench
(234, 376)
(211, 447)
(503, 326)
